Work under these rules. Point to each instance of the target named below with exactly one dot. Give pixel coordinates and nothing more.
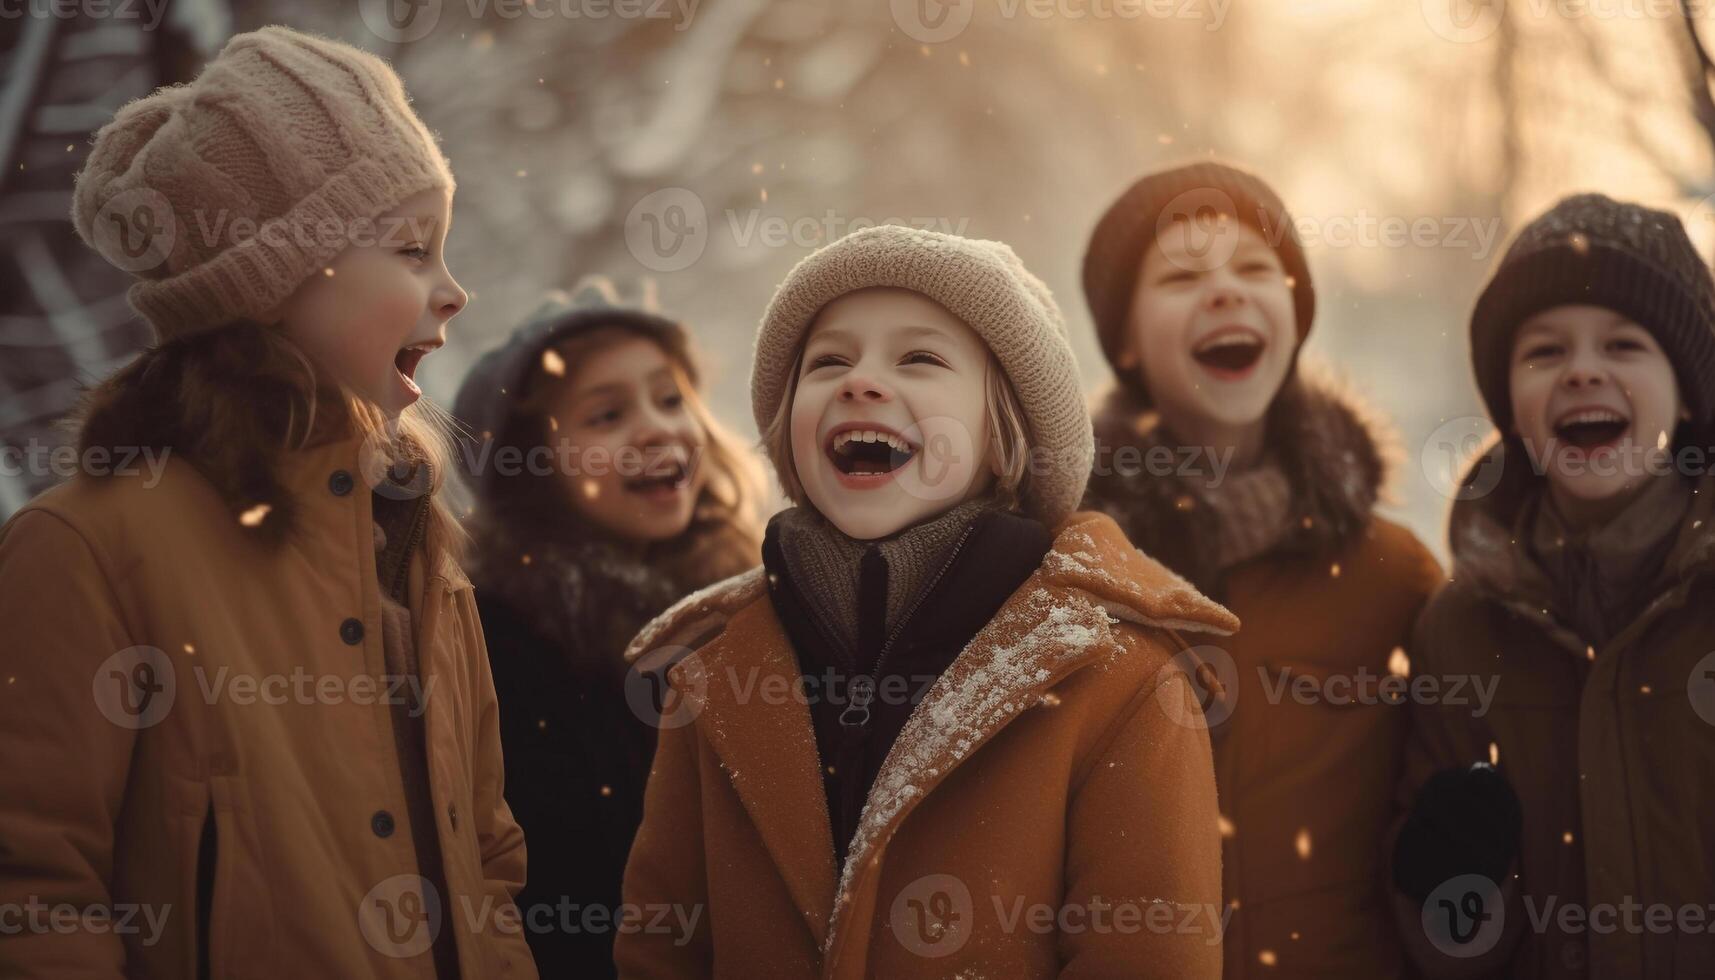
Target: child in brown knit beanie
(1258, 481)
(944, 693)
(1583, 586)
(292, 734)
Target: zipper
(856, 713)
(419, 528)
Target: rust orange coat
(1057, 773)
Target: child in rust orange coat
(944, 729)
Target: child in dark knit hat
(604, 492)
(1219, 456)
(946, 696)
(1584, 586)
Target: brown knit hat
(982, 283)
(224, 194)
(1115, 254)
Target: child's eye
(1175, 278)
(604, 418)
(1256, 266)
(1625, 344)
(1540, 351)
(673, 400)
(416, 252)
(826, 360)
(922, 357)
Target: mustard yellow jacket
(177, 701)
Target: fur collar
(589, 598)
(1486, 524)
(1337, 454)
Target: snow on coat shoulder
(698, 617)
(1091, 554)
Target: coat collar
(306, 477)
(1336, 452)
(1062, 618)
(1485, 533)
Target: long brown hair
(231, 401)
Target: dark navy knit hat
(1590, 249)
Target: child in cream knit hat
(285, 214)
(947, 639)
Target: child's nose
(450, 299)
(1223, 293)
(857, 387)
(1583, 370)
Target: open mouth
(667, 479)
(408, 358)
(1230, 350)
(860, 451)
(1591, 428)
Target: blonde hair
(1008, 442)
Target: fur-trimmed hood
(1486, 527)
(1336, 451)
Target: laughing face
(633, 444)
(1213, 338)
(381, 305)
(1595, 402)
(889, 423)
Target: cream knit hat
(982, 283)
(224, 194)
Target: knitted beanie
(1114, 257)
(223, 194)
(1591, 249)
(983, 284)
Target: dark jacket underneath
(577, 759)
(993, 557)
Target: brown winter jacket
(1057, 771)
(1610, 749)
(244, 785)
(1306, 751)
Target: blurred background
(709, 144)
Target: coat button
(453, 815)
(382, 823)
(340, 483)
(351, 631)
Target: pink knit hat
(224, 194)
